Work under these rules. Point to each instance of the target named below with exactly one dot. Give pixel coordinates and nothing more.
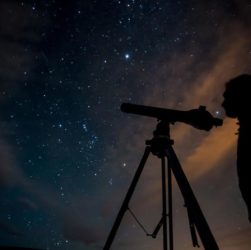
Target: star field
(68, 153)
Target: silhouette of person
(237, 104)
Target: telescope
(199, 118)
(161, 146)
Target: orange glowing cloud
(212, 150)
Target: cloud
(10, 229)
(19, 39)
(10, 174)
(239, 239)
(79, 231)
(75, 217)
(212, 150)
(27, 203)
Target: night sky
(67, 152)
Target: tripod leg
(200, 222)
(127, 199)
(170, 205)
(164, 214)
(192, 228)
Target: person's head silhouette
(237, 104)
(237, 97)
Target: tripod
(161, 146)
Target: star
(127, 56)
(110, 181)
(217, 112)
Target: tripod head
(199, 118)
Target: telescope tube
(199, 118)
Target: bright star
(127, 56)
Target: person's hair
(240, 86)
